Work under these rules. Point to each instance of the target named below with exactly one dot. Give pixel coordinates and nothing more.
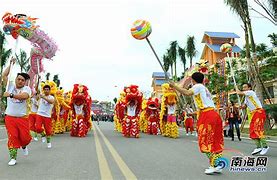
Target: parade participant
(169, 127)
(152, 115)
(209, 125)
(233, 119)
(189, 120)
(16, 119)
(33, 115)
(81, 110)
(143, 117)
(46, 103)
(119, 112)
(256, 130)
(133, 100)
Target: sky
(96, 47)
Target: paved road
(105, 154)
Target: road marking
(3, 139)
(121, 164)
(105, 171)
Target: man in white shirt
(16, 119)
(33, 115)
(209, 125)
(256, 130)
(46, 103)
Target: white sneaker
(264, 151)
(49, 145)
(43, 139)
(35, 138)
(12, 162)
(25, 151)
(196, 135)
(187, 134)
(256, 151)
(212, 170)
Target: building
(158, 78)
(213, 41)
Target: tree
(172, 54)
(269, 10)
(166, 62)
(47, 76)
(240, 7)
(182, 55)
(23, 61)
(273, 39)
(115, 100)
(56, 80)
(191, 51)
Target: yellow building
(158, 78)
(213, 41)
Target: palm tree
(173, 55)
(182, 55)
(240, 7)
(166, 62)
(23, 61)
(273, 39)
(191, 51)
(56, 80)
(270, 9)
(47, 76)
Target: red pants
(153, 125)
(46, 122)
(130, 126)
(32, 122)
(189, 124)
(79, 127)
(256, 129)
(210, 132)
(18, 131)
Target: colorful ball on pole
(226, 48)
(141, 29)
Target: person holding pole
(256, 130)
(209, 125)
(16, 118)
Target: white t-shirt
(251, 100)
(34, 103)
(202, 97)
(131, 110)
(189, 112)
(16, 107)
(171, 109)
(79, 109)
(44, 107)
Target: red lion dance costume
(152, 115)
(80, 104)
(133, 100)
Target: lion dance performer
(152, 115)
(133, 100)
(64, 108)
(119, 112)
(168, 123)
(258, 117)
(81, 107)
(209, 125)
(143, 118)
